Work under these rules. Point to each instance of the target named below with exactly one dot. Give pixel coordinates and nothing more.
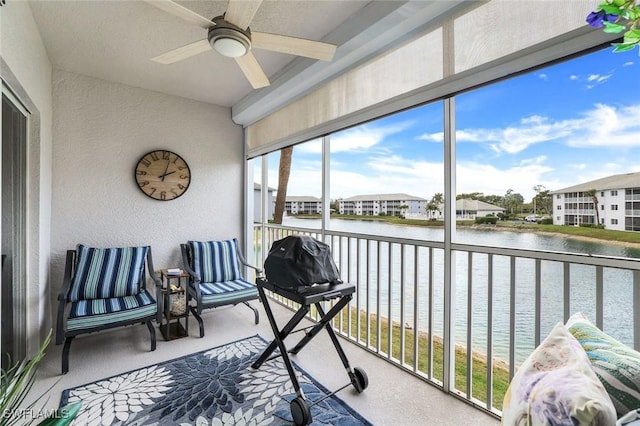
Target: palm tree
(284, 169)
(594, 197)
(435, 205)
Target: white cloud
(627, 64)
(432, 137)
(388, 175)
(423, 178)
(311, 147)
(543, 76)
(580, 166)
(535, 160)
(359, 138)
(592, 79)
(491, 180)
(599, 78)
(604, 125)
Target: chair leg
(65, 354)
(152, 331)
(197, 316)
(255, 312)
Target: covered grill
(302, 269)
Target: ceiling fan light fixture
(229, 40)
(230, 47)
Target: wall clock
(162, 175)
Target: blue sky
(558, 126)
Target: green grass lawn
(479, 364)
(479, 368)
(578, 231)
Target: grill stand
(300, 408)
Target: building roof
(384, 197)
(621, 181)
(476, 205)
(305, 198)
(258, 187)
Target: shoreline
(515, 227)
(460, 348)
(558, 234)
(503, 228)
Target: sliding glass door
(13, 297)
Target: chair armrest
(193, 277)
(184, 248)
(158, 284)
(259, 272)
(62, 296)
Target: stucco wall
(27, 68)
(101, 129)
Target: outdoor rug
(212, 387)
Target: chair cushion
(227, 291)
(556, 386)
(103, 273)
(215, 261)
(616, 365)
(87, 314)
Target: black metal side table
(174, 305)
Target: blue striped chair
(105, 288)
(216, 277)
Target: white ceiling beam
(375, 29)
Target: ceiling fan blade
(183, 52)
(241, 12)
(293, 46)
(253, 71)
(181, 12)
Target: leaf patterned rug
(212, 387)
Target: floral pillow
(616, 365)
(555, 385)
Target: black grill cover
(300, 261)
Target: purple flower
(596, 19)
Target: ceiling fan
(230, 36)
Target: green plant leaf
(610, 9)
(622, 47)
(610, 27)
(16, 383)
(632, 35)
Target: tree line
(511, 201)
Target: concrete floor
(392, 398)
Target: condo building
(382, 204)
(615, 204)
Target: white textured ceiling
(115, 40)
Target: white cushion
(556, 386)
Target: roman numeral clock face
(162, 175)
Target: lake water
(618, 286)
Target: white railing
(506, 301)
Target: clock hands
(151, 177)
(163, 175)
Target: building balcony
(420, 317)
(504, 302)
(393, 397)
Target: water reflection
(617, 283)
